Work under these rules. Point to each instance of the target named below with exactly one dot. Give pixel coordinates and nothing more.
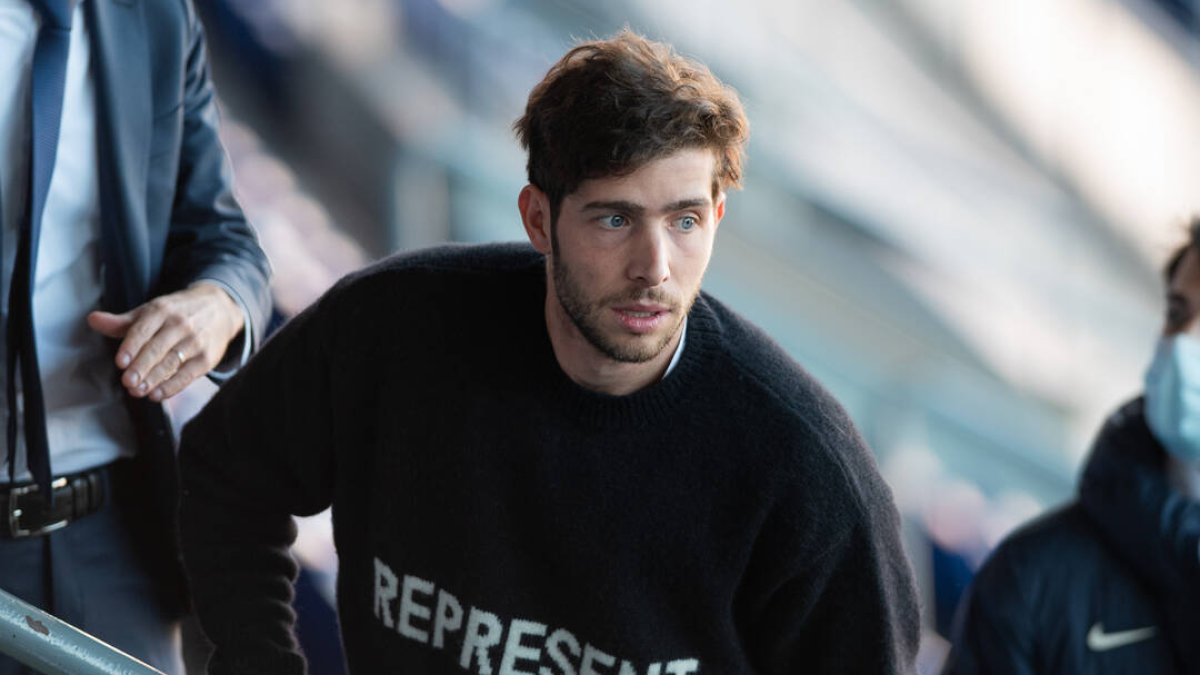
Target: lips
(642, 318)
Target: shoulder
(168, 14)
(762, 367)
(1023, 599)
(465, 259)
(795, 426)
(1060, 533)
(1045, 584)
(1126, 426)
(446, 283)
(1126, 440)
(1053, 553)
(170, 27)
(441, 265)
(431, 301)
(786, 397)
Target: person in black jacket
(1110, 583)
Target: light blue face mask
(1173, 396)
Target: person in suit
(129, 272)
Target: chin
(641, 349)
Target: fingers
(171, 340)
(162, 364)
(143, 354)
(109, 324)
(187, 371)
(147, 321)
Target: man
(1111, 582)
(564, 459)
(129, 271)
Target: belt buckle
(15, 512)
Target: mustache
(645, 295)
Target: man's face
(628, 253)
(1183, 297)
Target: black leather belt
(24, 511)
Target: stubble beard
(587, 315)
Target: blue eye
(613, 222)
(688, 223)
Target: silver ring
(181, 357)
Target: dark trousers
(104, 574)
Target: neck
(1184, 477)
(592, 369)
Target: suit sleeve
(259, 453)
(209, 237)
(993, 632)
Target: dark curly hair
(610, 106)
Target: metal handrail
(52, 646)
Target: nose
(649, 258)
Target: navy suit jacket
(167, 212)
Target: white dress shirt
(678, 349)
(87, 422)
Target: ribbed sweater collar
(644, 407)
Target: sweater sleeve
(857, 613)
(993, 632)
(260, 452)
(846, 601)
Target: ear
(535, 215)
(719, 207)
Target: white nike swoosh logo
(1099, 641)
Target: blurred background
(954, 215)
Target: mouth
(642, 319)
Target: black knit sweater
(491, 516)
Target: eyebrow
(638, 209)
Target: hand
(171, 340)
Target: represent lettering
(592, 655)
(483, 632)
(561, 636)
(409, 608)
(449, 617)
(386, 589)
(514, 650)
(417, 610)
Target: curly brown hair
(610, 106)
